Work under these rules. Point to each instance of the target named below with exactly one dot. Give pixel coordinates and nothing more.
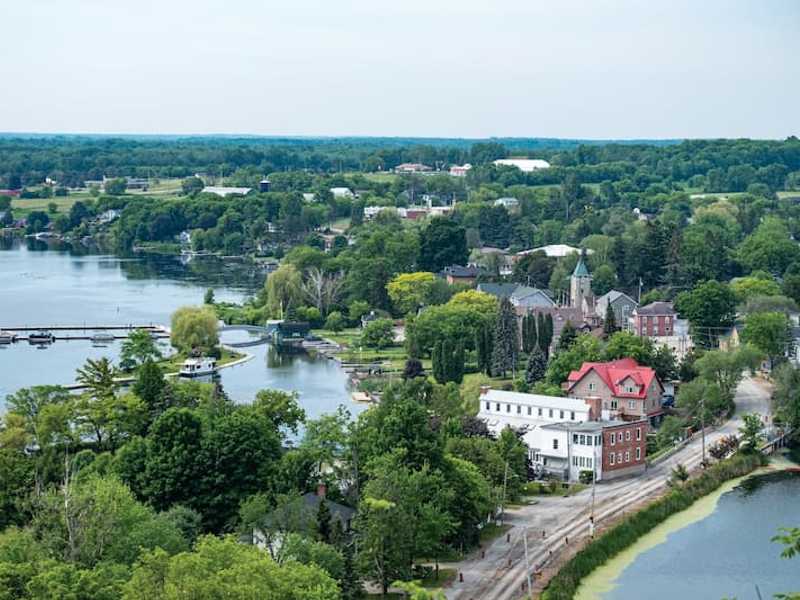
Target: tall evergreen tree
(506, 340)
(544, 332)
(150, 386)
(536, 367)
(610, 322)
(437, 362)
(324, 528)
(483, 345)
(568, 335)
(457, 364)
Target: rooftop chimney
(595, 405)
(485, 389)
(322, 489)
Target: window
(613, 438)
(519, 409)
(583, 440)
(529, 411)
(611, 459)
(597, 440)
(555, 443)
(561, 414)
(574, 461)
(540, 412)
(592, 386)
(498, 407)
(627, 457)
(632, 404)
(628, 435)
(508, 408)
(638, 434)
(487, 406)
(574, 438)
(613, 405)
(629, 389)
(550, 412)
(619, 457)
(572, 416)
(638, 453)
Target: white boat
(6, 337)
(198, 367)
(102, 338)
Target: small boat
(198, 367)
(6, 337)
(102, 338)
(41, 337)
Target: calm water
(63, 287)
(726, 554)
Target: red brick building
(656, 319)
(624, 448)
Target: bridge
(779, 439)
(263, 339)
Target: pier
(80, 332)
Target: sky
(590, 69)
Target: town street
(552, 521)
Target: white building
(554, 251)
(501, 409)
(526, 165)
(508, 202)
(342, 192)
(224, 191)
(460, 170)
(566, 449)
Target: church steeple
(580, 285)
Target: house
(108, 216)
(458, 274)
(554, 251)
(622, 305)
(12, 193)
(626, 389)
(412, 168)
(224, 191)
(501, 409)
(342, 192)
(301, 514)
(526, 165)
(508, 202)
(521, 296)
(601, 448)
(656, 319)
(460, 170)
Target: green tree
(149, 386)
(191, 186)
(443, 242)
(610, 321)
(208, 297)
(786, 395)
(378, 334)
(409, 291)
(624, 344)
(585, 348)
(283, 290)
(751, 431)
(725, 368)
(769, 332)
(769, 248)
(604, 279)
(138, 348)
(194, 329)
(567, 337)
(115, 187)
(335, 321)
(536, 367)
(281, 408)
(506, 340)
(710, 307)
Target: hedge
(566, 582)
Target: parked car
(667, 400)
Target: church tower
(580, 286)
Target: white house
(566, 449)
(526, 165)
(342, 192)
(224, 191)
(460, 170)
(501, 409)
(507, 201)
(554, 251)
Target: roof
(613, 296)
(656, 308)
(338, 511)
(555, 250)
(614, 373)
(500, 290)
(526, 165)
(459, 271)
(580, 269)
(535, 400)
(524, 292)
(225, 191)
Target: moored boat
(41, 337)
(198, 367)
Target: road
(549, 524)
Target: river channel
(41, 286)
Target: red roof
(615, 373)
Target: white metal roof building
(526, 165)
(501, 409)
(226, 191)
(555, 250)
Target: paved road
(501, 574)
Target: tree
(224, 568)
(786, 396)
(149, 386)
(335, 321)
(281, 408)
(283, 290)
(568, 335)
(664, 363)
(678, 476)
(506, 340)
(484, 340)
(745, 288)
(208, 298)
(536, 367)
(191, 186)
(99, 377)
(324, 522)
(585, 348)
(624, 344)
(671, 431)
(138, 348)
(378, 334)
(751, 431)
(413, 368)
(37, 221)
(702, 402)
(610, 321)
(323, 290)
(710, 308)
(116, 187)
(769, 332)
(725, 368)
(194, 329)
(603, 280)
(443, 242)
(409, 291)
(769, 248)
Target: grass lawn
(353, 352)
(174, 363)
(445, 577)
(22, 207)
(341, 224)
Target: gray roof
(459, 271)
(656, 308)
(501, 290)
(615, 295)
(338, 511)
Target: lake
(718, 548)
(45, 286)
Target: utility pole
(527, 563)
(703, 427)
(503, 501)
(594, 479)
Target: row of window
(582, 461)
(586, 440)
(616, 436)
(617, 458)
(562, 414)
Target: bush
(335, 321)
(566, 582)
(378, 334)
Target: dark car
(668, 400)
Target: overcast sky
(455, 68)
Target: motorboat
(41, 337)
(6, 337)
(102, 338)
(198, 367)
